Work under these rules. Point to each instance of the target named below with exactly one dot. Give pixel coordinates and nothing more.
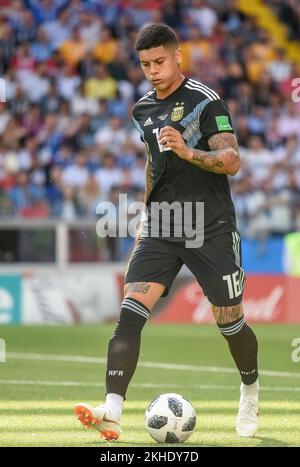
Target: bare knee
(227, 314)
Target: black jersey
(198, 113)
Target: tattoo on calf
(227, 314)
(140, 287)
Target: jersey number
(160, 146)
(234, 285)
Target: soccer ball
(170, 418)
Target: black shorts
(217, 265)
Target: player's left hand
(171, 138)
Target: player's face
(161, 65)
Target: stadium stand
(71, 74)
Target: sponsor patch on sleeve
(223, 123)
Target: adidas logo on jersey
(148, 122)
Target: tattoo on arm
(223, 157)
(223, 141)
(227, 314)
(139, 287)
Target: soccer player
(191, 150)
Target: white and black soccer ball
(170, 418)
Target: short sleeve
(138, 127)
(215, 118)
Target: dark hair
(154, 35)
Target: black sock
(243, 346)
(124, 346)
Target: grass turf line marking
(155, 365)
(143, 385)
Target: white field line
(143, 385)
(155, 365)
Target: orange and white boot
(98, 418)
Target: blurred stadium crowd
(72, 76)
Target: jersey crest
(177, 112)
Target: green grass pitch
(40, 384)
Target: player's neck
(162, 94)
